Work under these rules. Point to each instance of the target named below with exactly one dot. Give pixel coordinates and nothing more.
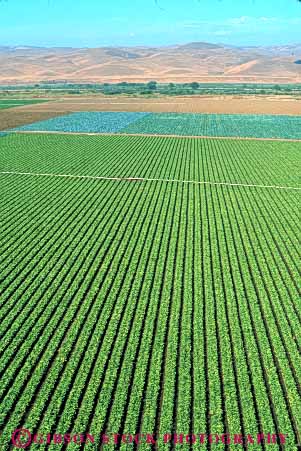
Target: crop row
(150, 306)
(230, 161)
(106, 122)
(241, 125)
(12, 103)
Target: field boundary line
(52, 132)
(146, 179)
(120, 103)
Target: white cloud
(239, 20)
(268, 19)
(235, 22)
(239, 29)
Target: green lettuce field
(12, 103)
(150, 284)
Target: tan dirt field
(14, 117)
(11, 117)
(200, 104)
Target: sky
(96, 23)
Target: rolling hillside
(180, 63)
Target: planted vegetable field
(242, 125)
(150, 285)
(233, 161)
(12, 103)
(108, 122)
(227, 125)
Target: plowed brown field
(202, 104)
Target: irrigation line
(144, 179)
(158, 135)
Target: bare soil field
(201, 104)
(15, 118)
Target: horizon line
(217, 44)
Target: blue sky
(95, 23)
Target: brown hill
(195, 61)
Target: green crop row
(150, 306)
(213, 160)
(12, 103)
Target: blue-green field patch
(184, 124)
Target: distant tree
(152, 85)
(171, 85)
(194, 85)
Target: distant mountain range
(196, 61)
